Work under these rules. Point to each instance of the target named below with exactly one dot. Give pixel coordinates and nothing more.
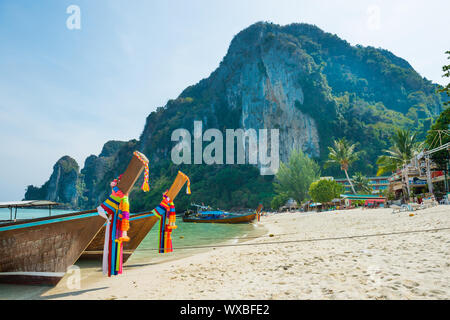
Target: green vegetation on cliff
(63, 185)
(311, 85)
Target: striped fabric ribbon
(188, 182)
(145, 186)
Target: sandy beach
(399, 266)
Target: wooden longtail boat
(140, 226)
(205, 215)
(39, 251)
(219, 217)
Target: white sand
(405, 266)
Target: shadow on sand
(70, 294)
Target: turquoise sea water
(188, 238)
(29, 213)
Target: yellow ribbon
(188, 185)
(145, 186)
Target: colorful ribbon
(188, 182)
(145, 186)
(165, 211)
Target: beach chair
(396, 208)
(427, 203)
(414, 206)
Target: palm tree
(343, 154)
(361, 183)
(403, 148)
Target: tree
(325, 190)
(343, 154)
(402, 150)
(294, 177)
(389, 194)
(278, 201)
(361, 183)
(438, 135)
(446, 70)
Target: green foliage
(390, 195)
(446, 89)
(438, 135)
(404, 144)
(358, 203)
(226, 187)
(294, 178)
(361, 183)
(278, 201)
(67, 164)
(65, 172)
(325, 190)
(342, 153)
(36, 193)
(358, 93)
(111, 147)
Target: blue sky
(67, 92)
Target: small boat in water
(39, 250)
(205, 215)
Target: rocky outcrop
(63, 185)
(311, 85)
(88, 188)
(260, 76)
(99, 170)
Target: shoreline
(91, 270)
(294, 264)
(134, 270)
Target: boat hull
(140, 226)
(236, 219)
(39, 251)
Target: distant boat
(204, 215)
(39, 250)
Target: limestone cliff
(311, 85)
(307, 83)
(62, 186)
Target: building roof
(369, 178)
(361, 196)
(27, 203)
(315, 204)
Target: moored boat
(204, 215)
(140, 225)
(39, 251)
(213, 218)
